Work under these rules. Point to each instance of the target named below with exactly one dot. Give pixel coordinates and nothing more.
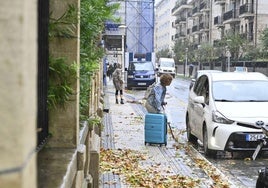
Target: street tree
(264, 42)
(164, 53)
(237, 45)
(180, 51)
(206, 53)
(94, 13)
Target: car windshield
(141, 66)
(246, 90)
(167, 64)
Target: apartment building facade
(208, 21)
(163, 25)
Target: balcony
(196, 12)
(179, 7)
(195, 29)
(218, 21)
(219, 2)
(204, 26)
(204, 6)
(231, 17)
(181, 35)
(246, 11)
(180, 20)
(188, 31)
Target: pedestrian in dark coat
(110, 71)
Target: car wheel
(190, 137)
(207, 151)
(260, 184)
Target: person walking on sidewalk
(155, 100)
(118, 83)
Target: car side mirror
(199, 99)
(125, 69)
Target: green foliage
(61, 74)
(179, 50)
(206, 53)
(237, 45)
(93, 122)
(94, 13)
(164, 53)
(65, 25)
(264, 38)
(60, 78)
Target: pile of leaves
(126, 164)
(218, 180)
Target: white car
(200, 73)
(226, 111)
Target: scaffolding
(137, 37)
(139, 21)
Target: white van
(166, 65)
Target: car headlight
(219, 118)
(130, 76)
(152, 76)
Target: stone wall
(70, 158)
(18, 70)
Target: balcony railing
(203, 26)
(188, 31)
(232, 14)
(195, 28)
(195, 10)
(182, 34)
(219, 2)
(218, 20)
(246, 8)
(183, 2)
(180, 19)
(204, 5)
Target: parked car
(140, 74)
(166, 65)
(226, 111)
(198, 74)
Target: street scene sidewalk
(127, 162)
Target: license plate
(141, 84)
(254, 137)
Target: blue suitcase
(155, 129)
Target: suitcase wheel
(145, 143)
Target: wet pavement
(124, 129)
